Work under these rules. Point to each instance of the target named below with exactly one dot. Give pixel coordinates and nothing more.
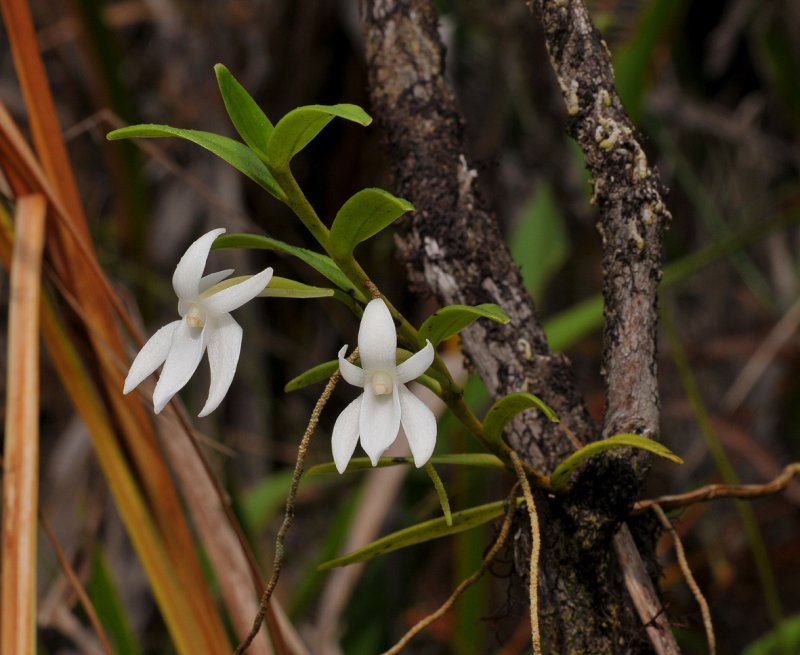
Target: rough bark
(452, 244)
(453, 248)
(633, 215)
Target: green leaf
(107, 602)
(281, 287)
(539, 243)
(235, 153)
(297, 128)
(422, 532)
(441, 492)
(560, 476)
(507, 408)
(364, 215)
(319, 262)
(250, 122)
(450, 320)
(313, 375)
(783, 638)
(480, 460)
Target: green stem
(299, 204)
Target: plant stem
(452, 394)
(299, 204)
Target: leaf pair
(366, 213)
(267, 147)
(500, 413)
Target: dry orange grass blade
(239, 580)
(72, 256)
(88, 287)
(21, 451)
(68, 251)
(132, 507)
(42, 114)
(204, 499)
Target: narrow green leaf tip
(234, 152)
(247, 117)
(296, 129)
(319, 262)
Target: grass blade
(21, 450)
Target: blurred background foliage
(714, 88)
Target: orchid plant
(385, 404)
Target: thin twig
(77, 587)
(288, 517)
(536, 543)
(467, 582)
(714, 491)
(687, 573)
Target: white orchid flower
(376, 415)
(205, 324)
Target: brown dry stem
(687, 573)
(716, 491)
(288, 517)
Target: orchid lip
(195, 317)
(382, 382)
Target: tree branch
(452, 247)
(628, 194)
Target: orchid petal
(186, 278)
(377, 337)
(224, 345)
(416, 365)
(419, 424)
(350, 372)
(237, 295)
(208, 281)
(345, 434)
(150, 357)
(184, 356)
(379, 422)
